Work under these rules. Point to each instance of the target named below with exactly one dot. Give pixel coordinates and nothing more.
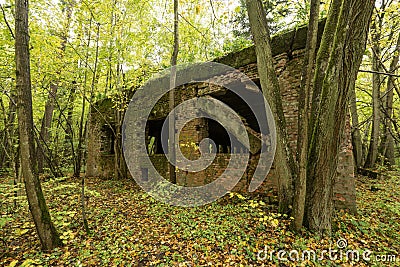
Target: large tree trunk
(324, 52)
(321, 65)
(285, 165)
(48, 235)
(341, 73)
(303, 116)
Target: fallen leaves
(129, 228)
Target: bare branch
(6, 21)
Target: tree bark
(8, 153)
(327, 131)
(50, 103)
(355, 131)
(376, 85)
(323, 56)
(303, 116)
(285, 165)
(387, 138)
(46, 124)
(69, 132)
(321, 65)
(79, 150)
(48, 235)
(174, 59)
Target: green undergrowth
(130, 228)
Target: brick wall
(288, 50)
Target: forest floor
(129, 228)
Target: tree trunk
(108, 85)
(46, 124)
(174, 59)
(323, 55)
(8, 148)
(48, 235)
(303, 116)
(79, 150)
(387, 138)
(328, 128)
(355, 131)
(321, 65)
(376, 84)
(285, 167)
(69, 132)
(50, 103)
(119, 163)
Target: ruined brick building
(288, 51)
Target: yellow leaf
(66, 254)
(275, 223)
(27, 262)
(20, 232)
(13, 263)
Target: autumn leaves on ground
(130, 228)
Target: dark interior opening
(221, 138)
(107, 140)
(153, 137)
(241, 107)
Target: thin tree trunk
(387, 139)
(83, 133)
(174, 59)
(119, 170)
(303, 116)
(46, 124)
(285, 165)
(47, 233)
(9, 133)
(16, 173)
(83, 207)
(69, 132)
(118, 124)
(108, 85)
(376, 84)
(50, 103)
(355, 131)
(120, 165)
(79, 149)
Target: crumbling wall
(288, 52)
(100, 140)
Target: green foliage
(94, 50)
(388, 27)
(281, 15)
